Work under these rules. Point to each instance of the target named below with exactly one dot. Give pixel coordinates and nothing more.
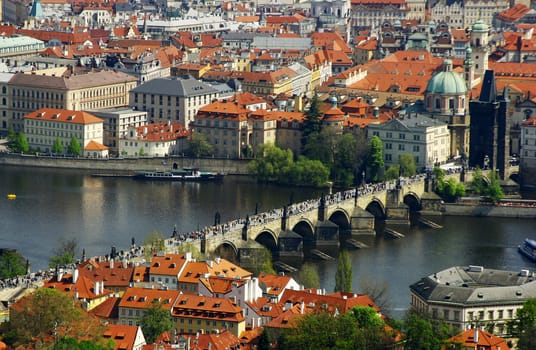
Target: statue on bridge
(217, 218)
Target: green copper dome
(480, 26)
(446, 82)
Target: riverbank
(124, 166)
(525, 210)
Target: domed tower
(446, 100)
(469, 68)
(479, 45)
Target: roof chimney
(476, 336)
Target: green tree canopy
(154, 243)
(343, 276)
(64, 254)
(199, 146)
(407, 165)
(57, 146)
(349, 159)
(393, 172)
(277, 165)
(311, 123)
(424, 333)
(375, 162)
(11, 134)
(72, 344)
(155, 321)
(450, 190)
(12, 264)
(48, 311)
(21, 143)
(308, 276)
(523, 326)
(74, 148)
(490, 189)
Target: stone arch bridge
(318, 221)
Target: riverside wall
(506, 211)
(126, 165)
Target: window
(416, 137)
(388, 157)
(402, 136)
(401, 147)
(415, 148)
(389, 134)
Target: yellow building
(28, 92)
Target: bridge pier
(362, 222)
(327, 234)
(396, 212)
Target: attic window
(217, 305)
(183, 302)
(142, 299)
(120, 335)
(42, 114)
(131, 298)
(55, 116)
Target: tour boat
(187, 174)
(11, 196)
(528, 249)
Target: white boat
(187, 174)
(528, 249)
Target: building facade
(473, 296)
(28, 92)
(46, 125)
(427, 139)
(174, 99)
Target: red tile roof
(208, 308)
(143, 298)
(483, 340)
(63, 116)
(113, 274)
(514, 13)
(123, 336)
(168, 265)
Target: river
(52, 205)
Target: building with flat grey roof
(116, 122)
(473, 296)
(174, 99)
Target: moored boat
(186, 174)
(528, 249)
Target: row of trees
(19, 143)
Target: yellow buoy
(11, 196)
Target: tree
(154, 243)
(48, 311)
(494, 190)
(12, 264)
(477, 185)
(407, 165)
(308, 276)
(199, 146)
(393, 172)
(523, 326)
(423, 333)
(377, 290)
(306, 172)
(272, 165)
(74, 148)
(11, 134)
(375, 161)
(343, 276)
(142, 152)
(72, 344)
(185, 247)
(311, 123)
(264, 341)
(450, 190)
(155, 321)
(57, 146)
(349, 157)
(21, 143)
(261, 262)
(64, 254)
(322, 146)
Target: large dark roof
(183, 87)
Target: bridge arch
(227, 250)
(341, 218)
(376, 208)
(268, 239)
(305, 228)
(413, 201)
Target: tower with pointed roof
(490, 138)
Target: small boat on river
(528, 249)
(186, 174)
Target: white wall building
(427, 139)
(45, 125)
(154, 140)
(472, 296)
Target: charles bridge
(318, 222)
